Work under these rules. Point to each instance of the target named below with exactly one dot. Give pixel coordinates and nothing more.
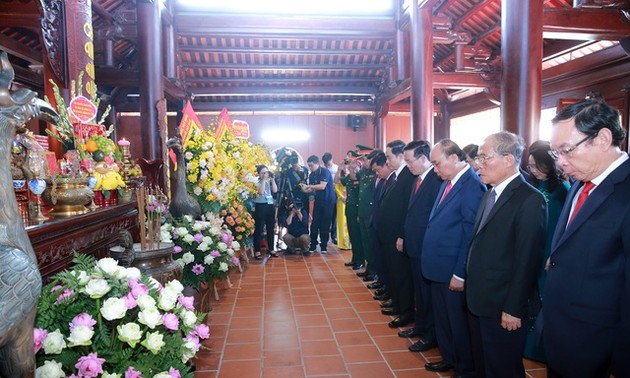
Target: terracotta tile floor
(307, 317)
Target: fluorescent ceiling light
(285, 135)
(319, 7)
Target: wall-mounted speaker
(356, 122)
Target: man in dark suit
(390, 216)
(378, 164)
(444, 252)
(586, 313)
(426, 186)
(504, 258)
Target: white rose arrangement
(101, 319)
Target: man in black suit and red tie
(586, 310)
(504, 259)
(426, 186)
(390, 216)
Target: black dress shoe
(422, 346)
(375, 285)
(387, 304)
(439, 366)
(399, 322)
(349, 264)
(362, 274)
(411, 332)
(383, 297)
(358, 266)
(389, 311)
(369, 277)
(380, 291)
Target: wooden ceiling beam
(201, 106)
(20, 20)
(19, 50)
(115, 77)
(281, 91)
(29, 78)
(592, 62)
(585, 24)
(238, 25)
(561, 47)
(283, 81)
(284, 67)
(292, 51)
(462, 80)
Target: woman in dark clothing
(550, 181)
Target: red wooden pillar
(151, 88)
(80, 46)
(421, 73)
(521, 81)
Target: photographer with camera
(264, 211)
(296, 222)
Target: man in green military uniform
(367, 178)
(348, 173)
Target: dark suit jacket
(587, 297)
(445, 245)
(506, 253)
(392, 209)
(418, 211)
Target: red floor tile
(295, 317)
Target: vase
(157, 263)
(100, 199)
(67, 196)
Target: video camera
(286, 159)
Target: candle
(123, 142)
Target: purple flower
(192, 337)
(39, 335)
(215, 253)
(83, 319)
(187, 302)
(177, 249)
(174, 373)
(132, 373)
(90, 366)
(66, 294)
(225, 237)
(132, 283)
(198, 269)
(235, 260)
(130, 301)
(56, 288)
(202, 331)
(198, 237)
(138, 290)
(170, 321)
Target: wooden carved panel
(53, 33)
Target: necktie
(492, 197)
(449, 185)
(418, 182)
(586, 189)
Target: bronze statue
(182, 203)
(20, 281)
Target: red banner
(224, 123)
(189, 123)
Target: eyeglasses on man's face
(567, 151)
(483, 159)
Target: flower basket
(110, 198)
(101, 319)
